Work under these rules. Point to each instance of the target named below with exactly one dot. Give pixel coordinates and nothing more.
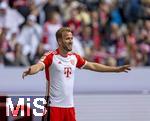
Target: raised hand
(26, 72)
(124, 68)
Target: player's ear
(59, 41)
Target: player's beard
(66, 48)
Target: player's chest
(64, 65)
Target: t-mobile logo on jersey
(67, 71)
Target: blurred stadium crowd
(111, 32)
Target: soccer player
(60, 66)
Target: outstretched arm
(33, 69)
(103, 68)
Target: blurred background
(110, 32)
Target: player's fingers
(127, 67)
(23, 75)
(29, 70)
(126, 71)
(26, 73)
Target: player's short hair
(60, 31)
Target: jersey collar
(58, 52)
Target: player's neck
(63, 52)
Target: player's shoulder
(50, 53)
(73, 54)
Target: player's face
(67, 41)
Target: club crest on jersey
(72, 62)
(59, 62)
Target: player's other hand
(124, 68)
(26, 72)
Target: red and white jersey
(60, 72)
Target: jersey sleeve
(46, 59)
(80, 61)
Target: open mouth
(70, 45)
